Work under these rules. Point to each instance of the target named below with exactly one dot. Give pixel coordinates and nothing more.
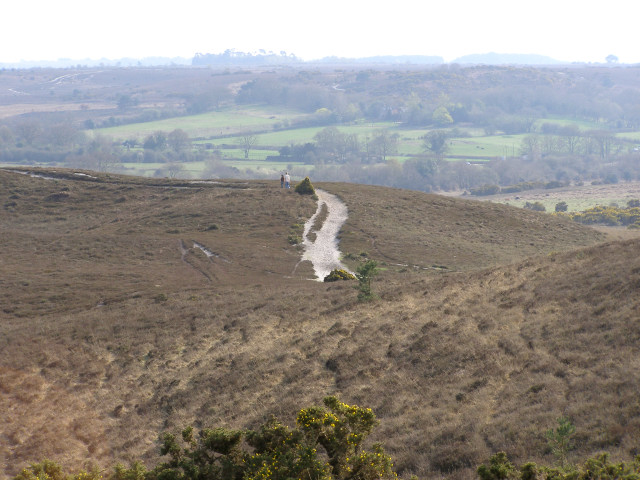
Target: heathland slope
(133, 306)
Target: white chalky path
(323, 252)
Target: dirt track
(323, 251)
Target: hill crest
(114, 328)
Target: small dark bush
(485, 190)
(305, 187)
(561, 207)
(294, 239)
(521, 187)
(58, 197)
(161, 297)
(536, 206)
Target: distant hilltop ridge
(507, 59)
(100, 62)
(232, 57)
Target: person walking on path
(287, 180)
(281, 181)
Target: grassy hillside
(116, 326)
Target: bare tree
(248, 140)
(178, 140)
(571, 136)
(384, 144)
(606, 142)
(174, 169)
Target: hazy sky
(568, 30)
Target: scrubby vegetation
(535, 206)
(49, 470)
(365, 273)
(327, 443)
(486, 190)
(295, 234)
(609, 215)
(599, 467)
(305, 187)
(338, 274)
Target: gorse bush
(613, 216)
(305, 187)
(596, 468)
(48, 470)
(294, 239)
(325, 444)
(339, 274)
(295, 234)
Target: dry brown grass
(423, 230)
(115, 328)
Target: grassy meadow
(207, 129)
(276, 128)
(224, 130)
(205, 125)
(491, 321)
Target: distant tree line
(552, 158)
(234, 58)
(506, 99)
(446, 101)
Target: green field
(206, 125)
(224, 130)
(490, 146)
(561, 121)
(635, 136)
(410, 141)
